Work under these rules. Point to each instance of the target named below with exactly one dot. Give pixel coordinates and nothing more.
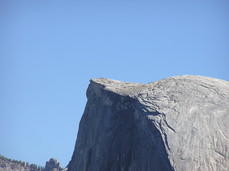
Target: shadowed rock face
(179, 123)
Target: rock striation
(179, 123)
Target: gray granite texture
(179, 123)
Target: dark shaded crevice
(160, 146)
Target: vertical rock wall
(179, 123)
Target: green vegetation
(14, 163)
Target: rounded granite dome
(178, 123)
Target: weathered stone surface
(179, 123)
(52, 165)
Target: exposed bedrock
(179, 123)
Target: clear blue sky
(49, 49)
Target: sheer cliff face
(179, 123)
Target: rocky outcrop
(52, 165)
(179, 123)
(15, 165)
